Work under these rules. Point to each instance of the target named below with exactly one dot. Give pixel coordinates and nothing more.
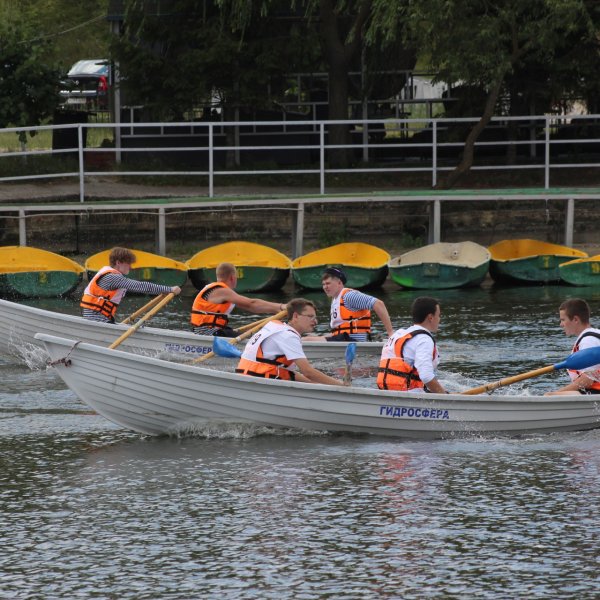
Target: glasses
(311, 317)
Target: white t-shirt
(275, 339)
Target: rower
(350, 310)
(215, 301)
(277, 347)
(574, 315)
(108, 287)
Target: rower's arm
(381, 311)
(311, 375)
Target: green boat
(527, 261)
(581, 271)
(147, 267)
(259, 268)
(33, 273)
(365, 265)
(441, 266)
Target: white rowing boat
(20, 323)
(154, 396)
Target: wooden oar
(251, 325)
(142, 310)
(244, 335)
(137, 325)
(577, 361)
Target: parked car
(87, 85)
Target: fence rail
(543, 144)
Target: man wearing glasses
(277, 347)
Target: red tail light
(102, 84)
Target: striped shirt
(114, 281)
(355, 300)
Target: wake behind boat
(154, 396)
(20, 323)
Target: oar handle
(142, 310)
(137, 325)
(251, 325)
(490, 387)
(244, 335)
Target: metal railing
(543, 143)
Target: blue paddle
(221, 347)
(350, 356)
(577, 361)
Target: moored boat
(441, 266)
(147, 267)
(364, 265)
(155, 397)
(529, 261)
(27, 272)
(19, 324)
(259, 268)
(581, 271)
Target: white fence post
(434, 155)
(81, 163)
(547, 153)
(569, 222)
(322, 157)
(211, 175)
(22, 228)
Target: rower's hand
(176, 290)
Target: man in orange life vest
(350, 310)
(277, 347)
(215, 301)
(107, 288)
(410, 357)
(574, 317)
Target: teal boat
(441, 266)
(147, 267)
(525, 261)
(364, 265)
(259, 268)
(581, 271)
(27, 272)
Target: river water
(89, 510)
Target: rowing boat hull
(529, 261)
(27, 272)
(259, 268)
(581, 272)
(20, 323)
(365, 265)
(156, 397)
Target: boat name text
(188, 348)
(418, 413)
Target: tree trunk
(338, 109)
(469, 149)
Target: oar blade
(221, 347)
(350, 353)
(581, 360)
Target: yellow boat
(365, 265)
(34, 273)
(259, 268)
(581, 271)
(529, 261)
(147, 267)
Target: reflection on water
(90, 510)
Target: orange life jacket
(394, 372)
(209, 314)
(574, 374)
(348, 321)
(97, 298)
(253, 361)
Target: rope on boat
(65, 360)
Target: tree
(482, 43)
(28, 87)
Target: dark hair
(422, 307)
(297, 305)
(334, 272)
(576, 307)
(121, 255)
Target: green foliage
(28, 86)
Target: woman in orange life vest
(350, 310)
(410, 357)
(215, 301)
(107, 288)
(276, 348)
(574, 317)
